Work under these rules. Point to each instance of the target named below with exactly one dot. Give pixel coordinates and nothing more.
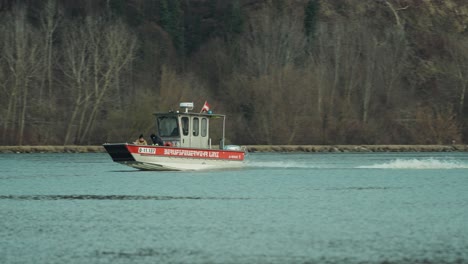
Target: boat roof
(190, 114)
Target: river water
(280, 208)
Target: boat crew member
(156, 140)
(140, 141)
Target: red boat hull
(173, 158)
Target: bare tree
(273, 40)
(109, 54)
(270, 49)
(337, 61)
(21, 55)
(50, 18)
(369, 70)
(354, 63)
(97, 53)
(436, 125)
(392, 61)
(327, 61)
(457, 46)
(76, 69)
(175, 87)
(395, 11)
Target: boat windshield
(168, 126)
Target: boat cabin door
(194, 132)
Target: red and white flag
(205, 108)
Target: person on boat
(140, 141)
(156, 140)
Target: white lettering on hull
(191, 153)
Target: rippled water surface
(280, 208)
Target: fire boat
(183, 143)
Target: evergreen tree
(278, 5)
(172, 20)
(310, 18)
(120, 8)
(193, 34)
(117, 7)
(213, 7)
(234, 19)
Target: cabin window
(168, 126)
(204, 127)
(185, 125)
(196, 126)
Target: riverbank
(259, 148)
(358, 148)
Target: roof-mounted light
(187, 106)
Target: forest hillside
(285, 72)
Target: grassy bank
(259, 148)
(51, 149)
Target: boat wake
(415, 163)
(429, 163)
(281, 164)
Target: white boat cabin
(187, 129)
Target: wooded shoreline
(259, 148)
(284, 72)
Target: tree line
(302, 72)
